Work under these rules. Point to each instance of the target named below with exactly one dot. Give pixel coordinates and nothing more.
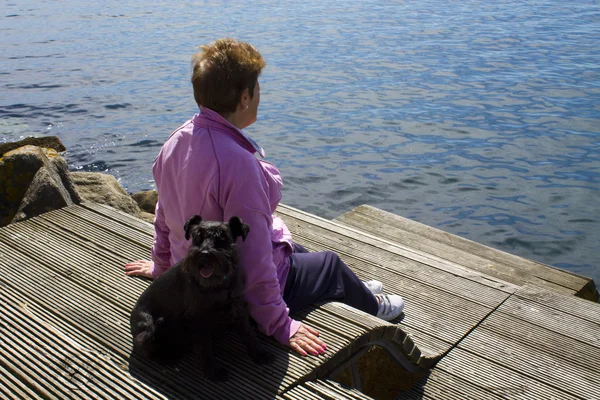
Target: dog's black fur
(196, 299)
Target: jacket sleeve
(245, 194)
(161, 249)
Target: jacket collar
(245, 140)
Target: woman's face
(252, 110)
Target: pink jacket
(207, 167)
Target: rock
(48, 142)
(146, 200)
(33, 180)
(102, 188)
(146, 216)
(44, 194)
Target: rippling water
(480, 118)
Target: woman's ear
(245, 98)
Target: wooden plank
(120, 216)
(552, 319)
(301, 392)
(69, 293)
(476, 256)
(498, 379)
(116, 228)
(543, 340)
(348, 234)
(441, 385)
(47, 245)
(395, 270)
(430, 346)
(532, 364)
(101, 236)
(66, 300)
(13, 388)
(29, 362)
(19, 370)
(333, 390)
(75, 365)
(575, 306)
(64, 331)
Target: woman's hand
(139, 268)
(306, 341)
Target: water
(480, 118)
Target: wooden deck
(475, 256)
(537, 345)
(65, 304)
(542, 342)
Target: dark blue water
(480, 118)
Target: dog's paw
(218, 374)
(261, 356)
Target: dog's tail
(144, 338)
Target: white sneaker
(390, 306)
(374, 286)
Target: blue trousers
(323, 276)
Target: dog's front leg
(256, 350)
(203, 348)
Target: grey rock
(102, 188)
(45, 193)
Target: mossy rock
(47, 142)
(33, 180)
(146, 200)
(102, 188)
(17, 169)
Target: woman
(207, 167)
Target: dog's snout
(206, 246)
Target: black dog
(197, 299)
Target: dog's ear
(238, 228)
(189, 224)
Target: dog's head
(213, 256)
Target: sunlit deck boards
(475, 256)
(542, 342)
(537, 345)
(65, 304)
